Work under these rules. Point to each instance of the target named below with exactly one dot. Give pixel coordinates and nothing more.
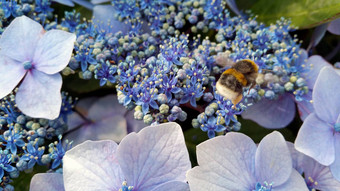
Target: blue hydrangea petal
(335, 167)
(315, 139)
(334, 27)
(74, 120)
(155, 155)
(318, 34)
(325, 95)
(232, 5)
(305, 107)
(11, 74)
(104, 107)
(273, 162)
(225, 163)
(313, 66)
(297, 157)
(84, 3)
(65, 2)
(92, 164)
(272, 114)
(54, 51)
(172, 186)
(47, 181)
(104, 20)
(39, 95)
(99, 1)
(20, 38)
(294, 183)
(110, 128)
(1, 172)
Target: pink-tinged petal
(334, 27)
(92, 165)
(315, 139)
(65, 2)
(47, 181)
(305, 107)
(173, 186)
(105, 107)
(54, 51)
(39, 95)
(225, 163)
(103, 19)
(319, 176)
(313, 67)
(11, 73)
(74, 120)
(20, 38)
(335, 167)
(272, 114)
(326, 95)
(155, 155)
(112, 128)
(294, 183)
(273, 162)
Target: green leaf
(303, 13)
(23, 181)
(257, 132)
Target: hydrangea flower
(317, 176)
(97, 119)
(233, 162)
(279, 113)
(156, 158)
(35, 57)
(319, 135)
(47, 181)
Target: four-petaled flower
(35, 57)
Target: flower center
(27, 65)
(125, 187)
(337, 127)
(311, 183)
(264, 187)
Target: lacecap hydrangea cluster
(172, 63)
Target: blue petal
(317, 35)
(31, 163)
(10, 168)
(232, 5)
(272, 114)
(65, 2)
(193, 101)
(1, 172)
(334, 27)
(184, 99)
(153, 104)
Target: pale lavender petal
(54, 51)
(47, 181)
(85, 3)
(85, 104)
(319, 176)
(104, 20)
(318, 34)
(99, 1)
(315, 139)
(225, 163)
(112, 128)
(11, 73)
(105, 107)
(305, 107)
(92, 165)
(74, 120)
(334, 27)
(65, 2)
(232, 5)
(39, 95)
(155, 155)
(20, 38)
(272, 114)
(335, 167)
(313, 66)
(173, 186)
(326, 95)
(273, 162)
(297, 157)
(294, 183)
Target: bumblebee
(232, 81)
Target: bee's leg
(236, 101)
